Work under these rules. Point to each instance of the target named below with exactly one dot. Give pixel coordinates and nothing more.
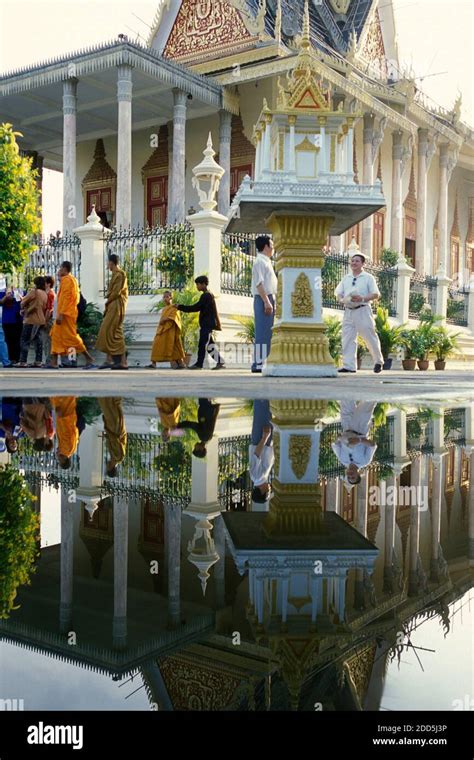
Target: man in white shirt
(261, 455)
(356, 291)
(264, 288)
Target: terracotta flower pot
(440, 364)
(423, 364)
(409, 364)
(187, 359)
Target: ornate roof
(100, 169)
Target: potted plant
(361, 351)
(408, 343)
(390, 337)
(426, 336)
(446, 344)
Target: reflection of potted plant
(446, 344)
(390, 337)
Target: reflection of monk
(169, 410)
(167, 346)
(116, 433)
(66, 429)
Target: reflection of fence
(151, 467)
(457, 306)
(237, 259)
(419, 430)
(153, 258)
(336, 266)
(422, 295)
(454, 426)
(42, 467)
(48, 255)
(234, 481)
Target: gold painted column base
(299, 347)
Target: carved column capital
(70, 95)
(124, 83)
(378, 137)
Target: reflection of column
(361, 526)
(204, 507)
(471, 509)
(219, 569)
(333, 496)
(173, 547)
(436, 496)
(390, 521)
(341, 596)
(67, 561)
(69, 154)
(225, 131)
(120, 516)
(90, 471)
(124, 146)
(414, 558)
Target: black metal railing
(422, 295)
(48, 255)
(457, 306)
(151, 467)
(42, 467)
(153, 258)
(337, 265)
(238, 254)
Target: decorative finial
(278, 23)
(93, 217)
(207, 177)
(353, 249)
(305, 38)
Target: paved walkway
(390, 386)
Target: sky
(434, 36)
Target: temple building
(126, 123)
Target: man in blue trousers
(264, 288)
(4, 358)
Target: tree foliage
(19, 203)
(19, 528)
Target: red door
(237, 174)
(156, 200)
(102, 199)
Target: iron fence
(422, 295)
(48, 255)
(42, 467)
(337, 265)
(234, 481)
(153, 258)
(152, 467)
(238, 253)
(457, 306)
(455, 426)
(419, 432)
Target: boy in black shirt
(208, 321)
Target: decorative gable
(206, 29)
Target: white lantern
(207, 178)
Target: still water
(226, 554)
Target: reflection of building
(306, 637)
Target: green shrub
(19, 532)
(334, 336)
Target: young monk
(65, 340)
(111, 339)
(167, 346)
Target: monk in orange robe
(64, 338)
(67, 433)
(111, 339)
(167, 346)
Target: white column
(421, 198)
(367, 179)
(436, 497)
(66, 562)
(405, 272)
(91, 236)
(176, 202)
(323, 164)
(333, 496)
(258, 153)
(69, 155)
(350, 151)
(124, 146)
(120, 517)
(90, 473)
(443, 237)
(225, 131)
(208, 226)
(396, 217)
(267, 144)
(292, 123)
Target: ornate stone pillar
(120, 517)
(292, 122)
(396, 216)
(323, 164)
(225, 132)
(69, 155)
(443, 207)
(176, 201)
(367, 179)
(421, 198)
(124, 146)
